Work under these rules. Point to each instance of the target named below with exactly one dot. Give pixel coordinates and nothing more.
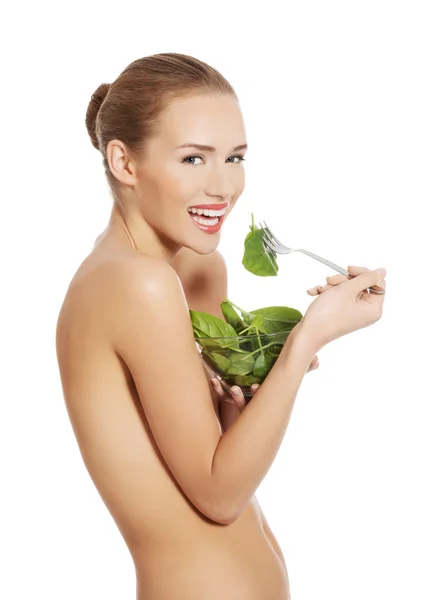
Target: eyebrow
(211, 148)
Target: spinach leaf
(247, 316)
(209, 326)
(278, 318)
(258, 258)
(245, 380)
(258, 323)
(232, 317)
(263, 365)
(241, 364)
(221, 362)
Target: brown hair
(128, 109)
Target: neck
(141, 236)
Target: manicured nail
(236, 391)
(255, 387)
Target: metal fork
(272, 243)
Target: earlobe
(120, 164)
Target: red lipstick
(211, 206)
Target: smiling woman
(143, 123)
(176, 475)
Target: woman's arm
(204, 279)
(151, 331)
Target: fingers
(354, 272)
(331, 281)
(358, 270)
(238, 396)
(235, 396)
(336, 279)
(368, 278)
(217, 387)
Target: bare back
(177, 551)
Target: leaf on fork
(258, 258)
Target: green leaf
(208, 326)
(263, 365)
(258, 258)
(278, 318)
(222, 363)
(258, 322)
(232, 317)
(241, 364)
(245, 380)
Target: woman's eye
(189, 158)
(241, 158)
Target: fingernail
(214, 381)
(381, 271)
(236, 391)
(255, 387)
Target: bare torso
(178, 553)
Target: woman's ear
(120, 163)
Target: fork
(272, 243)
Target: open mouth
(208, 219)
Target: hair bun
(92, 112)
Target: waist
(241, 571)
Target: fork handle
(329, 263)
(337, 268)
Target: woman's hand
(345, 306)
(236, 397)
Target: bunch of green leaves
(258, 258)
(244, 347)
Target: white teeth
(205, 221)
(207, 212)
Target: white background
(338, 104)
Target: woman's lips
(211, 206)
(208, 228)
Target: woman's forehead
(204, 120)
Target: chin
(204, 248)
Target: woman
(174, 465)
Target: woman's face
(171, 179)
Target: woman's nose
(221, 184)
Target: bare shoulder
(102, 295)
(105, 281)
(144, 284)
